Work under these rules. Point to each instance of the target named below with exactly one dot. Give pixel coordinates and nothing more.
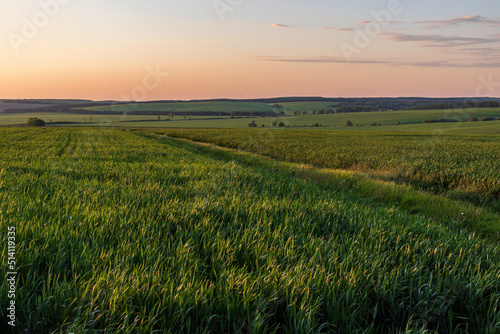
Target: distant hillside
(256, 107)
(168, 107)
(46, 101)
(5, 107)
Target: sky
(198, 49)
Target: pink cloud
(278, 25)
(338, 29)
(491, 22)
(439, 40)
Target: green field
(469, 166)
(122, 232)
(479, 128)
(188, 107)
(414, 117)
(410, 121)
(65, 119)
(325, 122)
(290, 107)
(90, 120)
(227, 106)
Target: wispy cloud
(338, 29)
(359, 24)
(384, 22)
(376, 61)
(279, 25)
(485, 54)
(491, 22)
(439, 40)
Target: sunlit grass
(123, 233)
(468, 165)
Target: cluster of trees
(484, 119)
(349, 123)
(350, 109)
(314, 112)
(441, 120)
(457, 105)
(274, 124)
(451, 120)
(323, 111)
(33, 121)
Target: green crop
(466, 164)
(119, 232)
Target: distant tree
(274, 123)
(252, 124)
(33, 121)
(263, 125)
(485, 118)
(282, 125)
(348, 123)
(473, 119)
(397, 123)
(276, 106)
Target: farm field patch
(121, 232)
(466, 165)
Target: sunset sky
(193, 49)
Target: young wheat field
(125, 232)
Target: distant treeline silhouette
(466, 104)
(65, 110)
